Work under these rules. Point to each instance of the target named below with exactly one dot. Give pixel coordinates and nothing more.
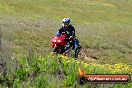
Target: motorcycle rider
(69, 30)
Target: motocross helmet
(66, 22)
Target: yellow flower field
(113, 68)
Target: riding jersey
(69, 31)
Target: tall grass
(53, 71)
(103, 25)
(103, 28)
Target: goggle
(65, 23)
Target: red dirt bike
(61, 45)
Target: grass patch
(102, 26)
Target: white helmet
(66, 21)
